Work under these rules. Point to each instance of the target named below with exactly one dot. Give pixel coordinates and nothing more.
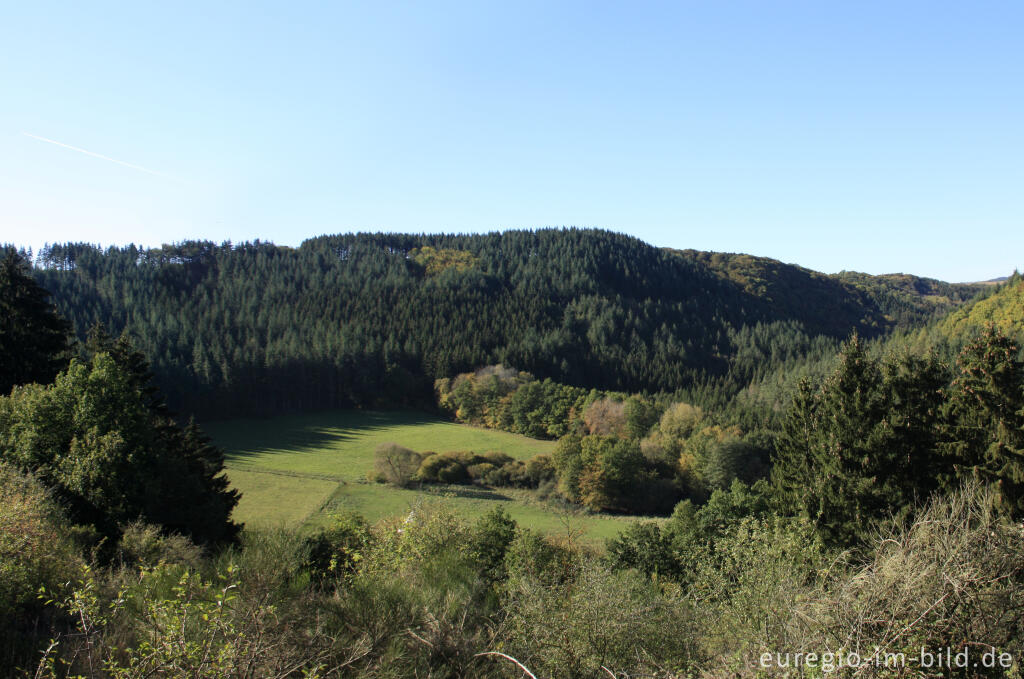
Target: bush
(337, 552)
(420, 597)
(446, 467)
(182, 624)
(144, 545)
(512, 475)
(491, 537)
(601, 619)
(453, 472)
(493, 468)
(482, 471)
(37, 549)
(645, 547)
(540, 469)
(396, 464)
(497, 458)
(745, 581)
(953, 578)
(531, 556)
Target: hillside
(830, 303)
(1003, 308)
(373, 319)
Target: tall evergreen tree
(34, 339)
(860, 449)
(199, 465)
(986, 417)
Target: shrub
(428, 529)
(602, 619)
(644, 546)
(497, 458)
(540, 469)
(447, 467)
(337, 552)
(531, 556)
(482, 471)
(37, 549)
(421, 599)
(745, 581)
(491, 537)
(197, 627)
(953, 578)
(512, 474)
(453, 472)
(494, 468)
(144, 545)
(396, 464)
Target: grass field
(296, 470)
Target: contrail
(97, 155)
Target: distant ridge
(992, 281)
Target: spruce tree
(34, 339)
(861, 449)
(985, 414)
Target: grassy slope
(299, 468)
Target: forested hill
(846, 298)
(372, 319)
(999, 304)
(1004, 308)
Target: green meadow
(296, 470)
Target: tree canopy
(374, 319)
(34, 339)
(112, 458)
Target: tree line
(373, 319)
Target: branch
(509, 658)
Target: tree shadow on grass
(308, 432)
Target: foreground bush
(37, 549)
(429, 594)
(598, 619)
(951, 579)
(248, 613)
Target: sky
(870, 136)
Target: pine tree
(861, 449)
(985, 436)
(34, 340)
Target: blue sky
(871, 136)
